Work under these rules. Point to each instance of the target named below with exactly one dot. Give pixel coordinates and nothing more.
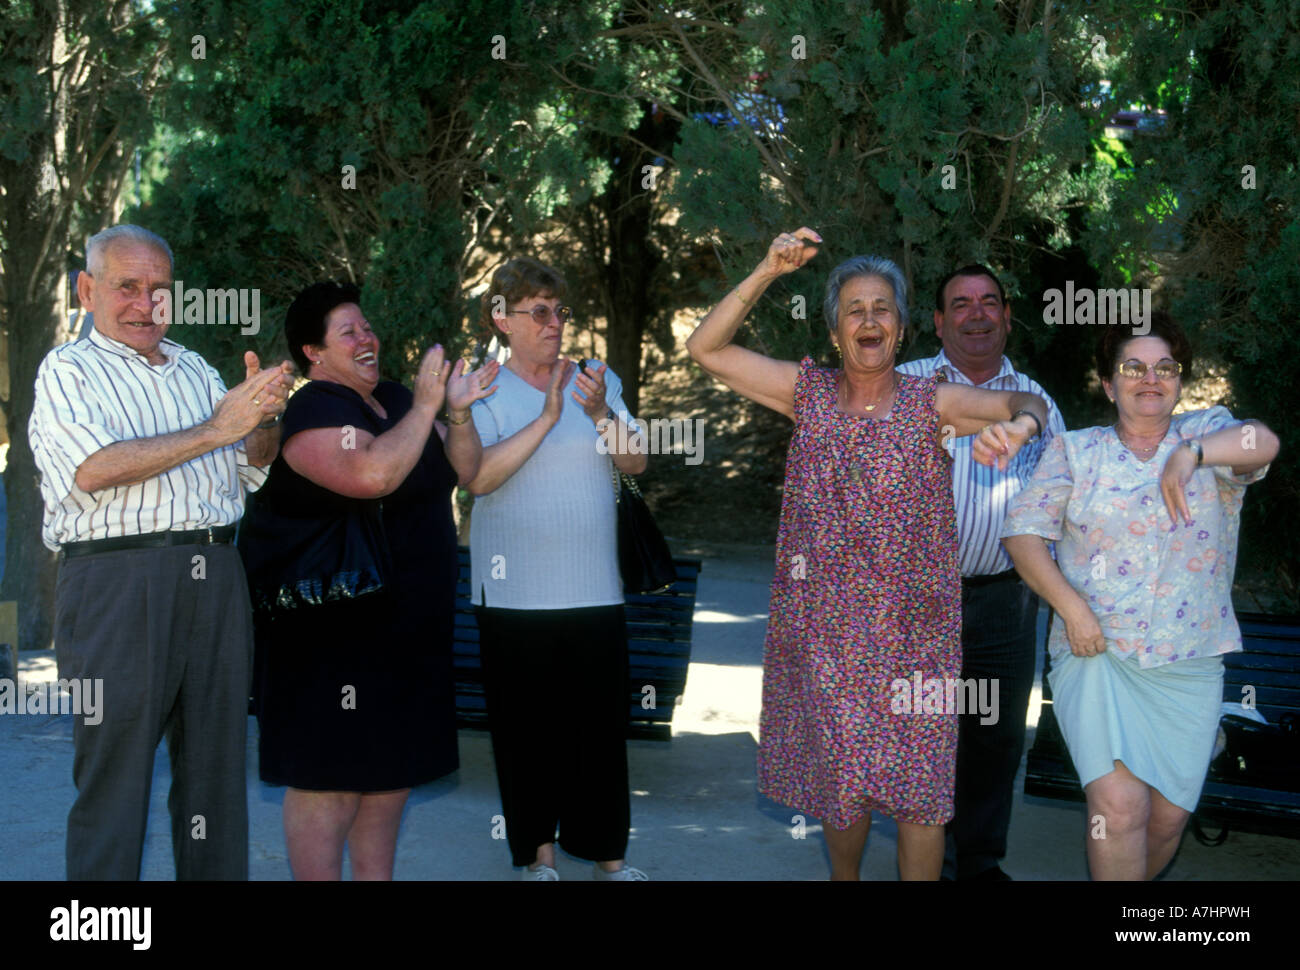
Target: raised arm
(759, 378)
(459, 436)
(591, 398)
(263, 443)
(1243, 452)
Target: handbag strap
(621, 481)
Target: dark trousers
(556, 687)
(998, 634)
(173, 651)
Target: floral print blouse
(1160, 593)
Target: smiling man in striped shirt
(145, 462)
(999, 613)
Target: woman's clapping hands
(465, 387)
(560, 375)
(436, 382)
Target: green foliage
(1229, 255)
(877, 111)
(889, 94)
(410, 96)
(934, 133)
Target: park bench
(1270, 663)
(658, 644)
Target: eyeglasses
(1165, 369)
(541, 314)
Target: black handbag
(643, 556)
(1260, 755)
(292, 563)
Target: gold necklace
(870, 407)
(1152, 449)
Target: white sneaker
(543, 873)
(626, 874)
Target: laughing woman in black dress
(353, 688)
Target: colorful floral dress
(867, 595)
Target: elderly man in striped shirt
(999, 613)
(145, 461)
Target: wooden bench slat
(1241, 673)
(1252, 648)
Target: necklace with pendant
(869, 407)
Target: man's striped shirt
(983, 494)
(95, 391)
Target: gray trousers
(171, 637)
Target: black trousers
(556, 685)
(998, 634)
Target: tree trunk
(29, 566)
(36, 225)
(629, 209)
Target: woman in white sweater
(545, 583)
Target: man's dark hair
(306, 320)
(974, 269)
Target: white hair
(100, 242)
(857, 266)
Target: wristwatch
(1195, 445)
(1038, 424)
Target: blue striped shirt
(95, 391)
(983, 494)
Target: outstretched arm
(971, 410)
(1245, 448)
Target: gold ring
(256, 401)
(437, 373)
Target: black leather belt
(974, 582)
(150, 540)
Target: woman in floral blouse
(1145, 515)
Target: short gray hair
(100, 242)
(857, 266)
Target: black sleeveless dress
(358, 694)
